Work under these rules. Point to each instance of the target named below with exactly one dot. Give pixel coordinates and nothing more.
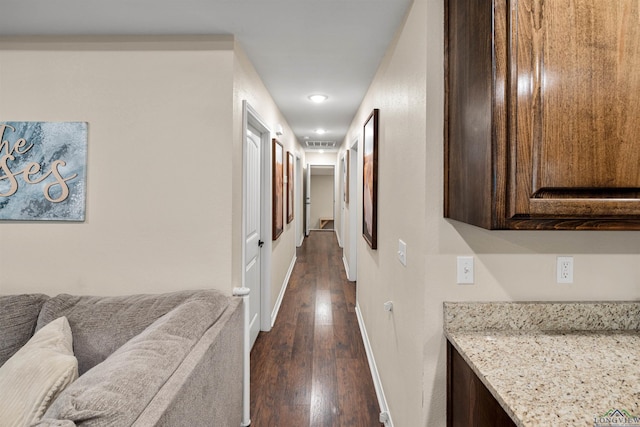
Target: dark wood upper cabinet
(542, 113)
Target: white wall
(317, 158)
(321, 198)
(396, 338)
(159, 209)
(408, 344)
(164, 172)
(248, 86)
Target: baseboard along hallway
(311, 368)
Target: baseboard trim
(338, 237)
(385, 415)
(283, 288)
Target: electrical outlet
(465, 270)
(564, 269)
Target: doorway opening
(320, 197)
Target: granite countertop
(552, 364)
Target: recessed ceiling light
(318, 98)
(321, 151)
(321, 131)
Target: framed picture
(289, 187)
(52, 159)
(370, 180)
(278, 190)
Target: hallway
(311, 368)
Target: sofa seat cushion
(102, 324)
(18, 317)
(116, 391)
(36, 374)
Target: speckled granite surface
(552, 364)
(554, 316)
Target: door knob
(260, 243)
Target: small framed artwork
(277, 190)
(370, 180)
(289, 187)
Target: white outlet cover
(564, 269)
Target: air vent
(320, 145)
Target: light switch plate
(465, 270)
(402, 252)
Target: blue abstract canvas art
(43, 170)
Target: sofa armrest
(206, 389)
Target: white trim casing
(246, 357)
(385, 415)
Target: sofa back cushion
(100, 325)
(18, 317)
(116, 391)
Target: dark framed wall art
(370, 180)
(277, 190)
(289, 187)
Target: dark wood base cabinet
(469, 403)
(542, 116)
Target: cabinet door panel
(576, 112)
(469, 402)
(469, 109)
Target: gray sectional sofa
(143, 360)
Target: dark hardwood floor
(311, 368)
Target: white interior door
(253, 244)
(307, 201)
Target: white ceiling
(299, 47)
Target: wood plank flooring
(311, 368)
